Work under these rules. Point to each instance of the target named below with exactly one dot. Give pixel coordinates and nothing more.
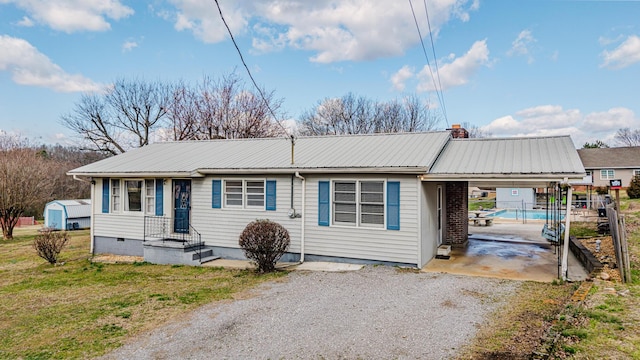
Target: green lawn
(82, 309)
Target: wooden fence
(619, 236)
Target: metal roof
(509, 158)
(610, 158)
(403, 152)
(74, 208)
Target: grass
(83, 309)
(608, 325)
(475, 205)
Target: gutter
(302, 217)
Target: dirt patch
(117, 259)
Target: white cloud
(333, 30)
(399, 78)
(30, 67)
(129, 45)
(457, 71)
(626, 54)
(520, 46)
(74, 15)
(550, 120)
(26, 22)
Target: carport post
(565, 248)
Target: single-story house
(68, 214)
(388, 198)
(604, 164)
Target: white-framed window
(358, 203)
(133, 195)
(150, 196)
(607, 174)
(245, 194)
(115, 195)
(636, 172)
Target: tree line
(32, 175)
(135, 112)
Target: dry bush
(49, 244)
(264, 242)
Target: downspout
(93, 203)
(302, 216)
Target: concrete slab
(327, 266)
(508, 250)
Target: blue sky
(510, 67)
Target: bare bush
(48, 244)
(264, 242)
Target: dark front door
(181, 205)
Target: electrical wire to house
(273, 114)
(437, 86)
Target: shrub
(634, 188)
(48, 244)
(264, 242)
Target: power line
(435, 60)
(249, 72)
(424, 51)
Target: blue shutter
(323, 203)
(271, 195)
(159, 197)
(216, 194)
(105, 195)
(393, 205)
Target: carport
(521, 252)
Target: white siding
(222, 227)
(129, 226)
(361, 242)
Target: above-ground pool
(520, 214)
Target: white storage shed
(68, 214)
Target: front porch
(162, 244)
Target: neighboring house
(515, 198)
(68, 214)
(391, 198)
(604, 164)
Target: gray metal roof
(405, 152)
(611, 158)
(509, 157)
(75, 208)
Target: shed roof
(404, 152)
(501, 158)
(602, 158)
(78, 208)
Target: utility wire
(424, 51)
(249, 72)
(435, 60)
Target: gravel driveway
(377, 312)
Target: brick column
(457, 228)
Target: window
(133, 195)
(607, 174)
(115, 195)
(244, 193)
(150, 196)
(636, 172)
(358, 203)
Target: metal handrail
(159, 228)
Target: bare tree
(222, 108)
(475, 131)
(628, 137)
(125, 116)
(353, 114)
(24, 181)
